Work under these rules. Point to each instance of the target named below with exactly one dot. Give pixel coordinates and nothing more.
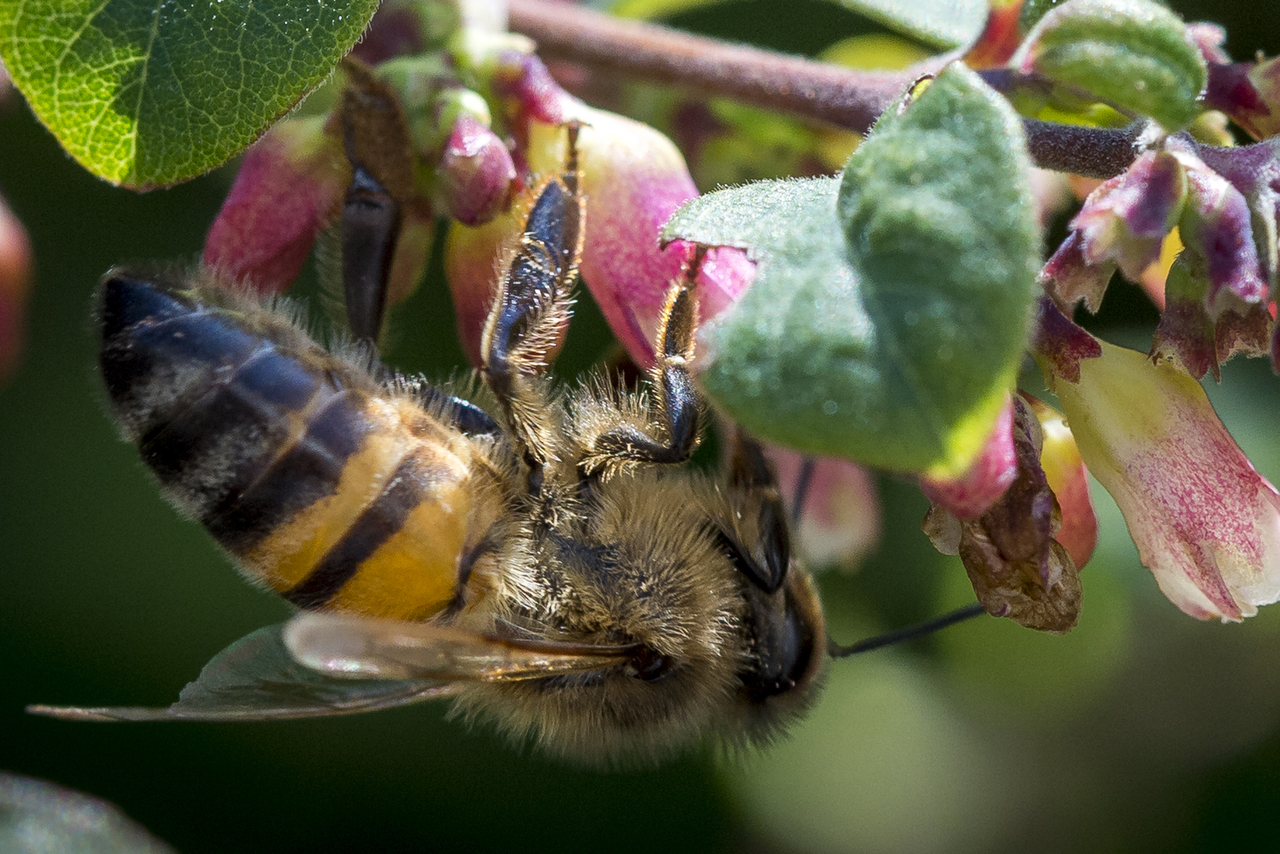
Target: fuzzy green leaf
(1135, 54)
(147, 93)
(889, 311)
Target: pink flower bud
(288, 189)
(1068, 478)
(840, 519)
(1205, 522)
(976, 490)
(523, 80)
(475, 176)
(15, 285)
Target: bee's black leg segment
(532, 307)
(370, 230)
(677, 407)
(677, 397)
(468, 417)
(527, 318)
(751, 478)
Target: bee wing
(363, 648)
(256, 679)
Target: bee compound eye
(648, 665)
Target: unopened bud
(476, 173)
(288, 189)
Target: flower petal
(840, 520)
(1205, 522)
(995, 468)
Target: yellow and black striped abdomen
(326, 489)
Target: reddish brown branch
(799, 87)
(707, 67)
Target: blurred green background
(1142, 730)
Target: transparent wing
(364, 648)
(256, 679)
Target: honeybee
(543, 556)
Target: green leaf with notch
(147, 93)
(1134, 54)
(889, 312)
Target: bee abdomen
(208, 403)
(322, 488)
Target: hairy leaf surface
(889, 311)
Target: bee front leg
(676, 410)
(376, 141)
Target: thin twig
(793, 85)
(708, 67)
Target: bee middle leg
(755, 489)
(532, 308)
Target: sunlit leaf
(941, 23)
(147, 94)
(889, 310)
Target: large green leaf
(1135, 54)
(148, 93)
(889, 311)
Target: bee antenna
(803, 482)
(919, 630)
